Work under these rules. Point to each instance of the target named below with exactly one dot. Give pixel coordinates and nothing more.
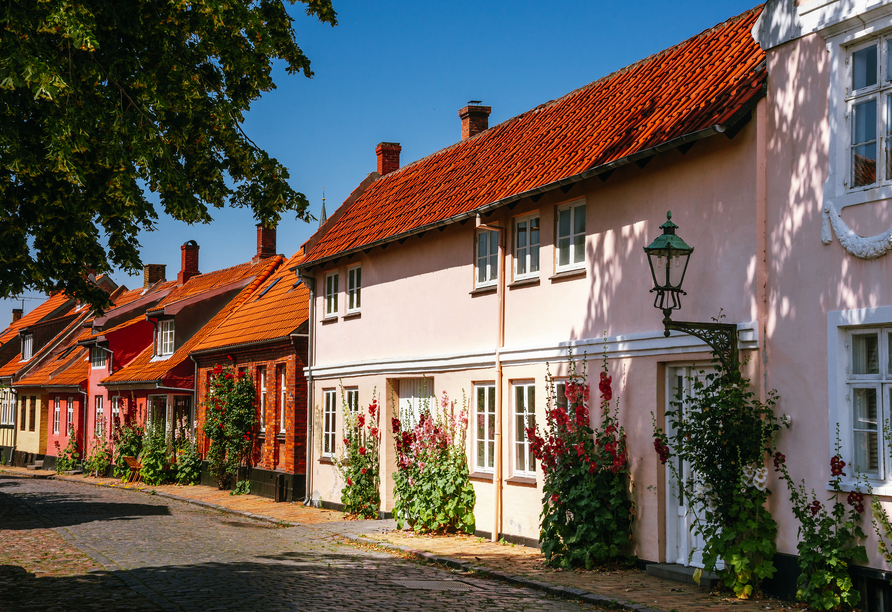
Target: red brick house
(265, 336)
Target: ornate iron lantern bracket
(721, 338)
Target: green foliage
(155, 458)
(68, 457)
(101, 97)
(827, 540)
(127, 439)
(360, 465)
(882, 526)
(229, 423)
(99, 457)
(586, 509)
(433, 491)
(242, 487)
(185, 459)
(725, 433)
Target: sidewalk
(629, 588)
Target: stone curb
(554, 590)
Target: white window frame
(27, 346)
(97, 357)
(329, 421)
(97, 405)
(331, 294)
(261, 375)
(4, 406)
(486, 261)
(354, 289)
(69, 413)
(283, 395)
(526, 246)
(484, 437)
(56, 414)
(351, 399)
(116, 409)
(843, 384)
(164, 347)
(524, 399)
(572, 243)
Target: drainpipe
(310, 282)
(497, 476)
(15, 429)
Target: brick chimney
(152, 273)
(474, 119)
(17, 314)
(189, 259)
(388, 157)
(266, 242)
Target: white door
(415, 394)
(683, 546)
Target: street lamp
(668, 257)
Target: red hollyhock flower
(360, 420)
(374, 432)
(779, 459)
(228, 376)
(604, 387)
(395, 425)
(836, 466)
(349, 483)
(362, 450)
(815, 507)
(554, 497)
(346, 442)
(363, 470)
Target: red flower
(363, 470)
(604, 387)
(349, 483)
(346, 442)
(554, 497)
(815, 507)
(779, 459)
(592, 467)
(836, 466)
(374, 432)
(395, 425)
(228, 376)
(360, 420)
(855, 498)
(218, 369)
(241, 374)
(362, 451)
(373, 408)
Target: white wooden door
(683, 546)
(416, 394)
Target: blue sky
(399, 71)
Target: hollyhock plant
(229, 423)
(433, 491)
(828, 539)
(587, 512)
(359, 466)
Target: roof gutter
(570, 180)
(230, 347)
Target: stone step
(37, 465)
(681, 573)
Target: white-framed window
(164, 344)
(351, 398)
(485, 418)
(98, 405)
(116, 409)
(331, 294)
(570, 226)
(283, 395)
(354, 288)
(329, 422)
(27, 346)
(524, 417)
(416, 397)
(69, 413)
(4, 406)
(526, 246)
(97, 357)
(869, 391)
(487, 257)
(57, 409)
(261, 376)
(869, 113)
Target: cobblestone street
(70, 547)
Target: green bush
(68, 457)
(127, 439)
(229, 423)
(359, 466)
(99, 458)
(155, 457)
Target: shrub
(360, 466)
(433, 492)
(229, 423)
(586, 511)
(154, 458)
(127, 439)
(725, 434)
(99, 459)
(69, 456)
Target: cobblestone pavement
(64, 546)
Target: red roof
(50, 306)
(703, 82)
(278, 308)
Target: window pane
(864, 122)
(889, 60)
(865, 354)
(534, 245)
(864, 425)
(521, 234)
(579, 248)
(564, 222)
(864, 67)
(563, 251)
(579, 220)
(889, 354)
(481, 244)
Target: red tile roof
(52, 304)
(65, 369)
(143, 370)
(703, 82)
(210, 281)
(277, 309)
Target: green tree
(101, 98)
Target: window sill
(880, 488)
(326, 460)
(485, 290)
(568, 274)
(481, 476)
(352, 315)
(523, 481)
(329, 319)
(524, 282)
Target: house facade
(478, 270)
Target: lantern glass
(668, 257)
